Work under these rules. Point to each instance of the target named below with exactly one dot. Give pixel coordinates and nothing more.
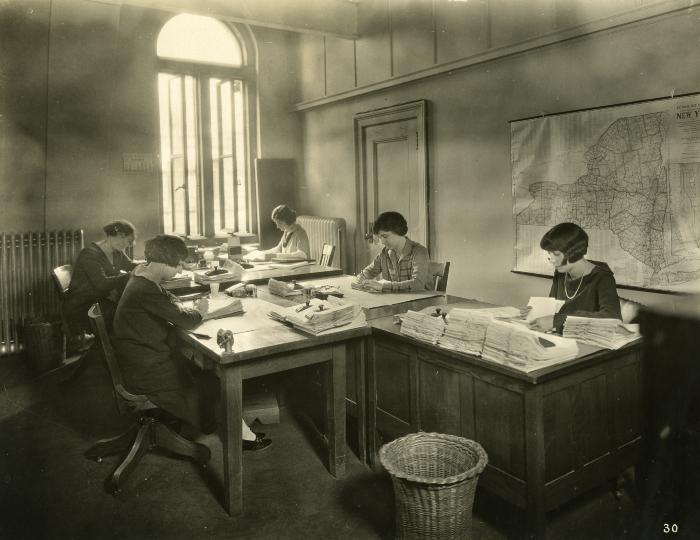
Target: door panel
(392, 169)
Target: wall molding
(632, 18)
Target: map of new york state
(644, 207)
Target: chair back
(440, 273)
(327, 255)
(62, 276)
(629, 310)
(125, 399)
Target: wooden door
(391, 165)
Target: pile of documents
(607, 333)
(316, 315)
(422, 326)
(284, 288)
(205, 277)
(179, 281)
(509, 343)
(466, 330)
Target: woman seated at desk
(99, 275)
(587, 288)
(402, 265)
(144, 319)
(294, 241)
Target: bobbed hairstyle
(120, 226)
(568, 238)
(391, 222)
(284, 213)
(166, 248)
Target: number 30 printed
(670, 528)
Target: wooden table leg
(335, 410)
(371, 393)
(361, 391)
(534, 452)
(231, 437)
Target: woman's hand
(543, 324)
(373, 285)
(202, 305)
(524, 312)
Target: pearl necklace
(577, 288)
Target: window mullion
(210, 227)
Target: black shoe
(259, 435)
(257, 444)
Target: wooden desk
(549, 434)
(263, 276)
(266, 351)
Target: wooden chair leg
(166, 438)
(141, 445)
(113, 446)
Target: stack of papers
(291, 264)
(607, 333)
(206, 277)
(514, 344)
(284, 288)
(319, 315)
(466, 330)
(177, 282)
(422, 326)
(543, 306)
(221, 305)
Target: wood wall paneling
(461, 29)
(626, 402)
(340, 64)
(24, 41)
(592, 420)
(412, 36)
(313, 69)
(374, 46)
(507, 18)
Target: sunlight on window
(199, 39)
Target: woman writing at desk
(143, 322)
(587, 288)
(99, 275)
(402, 265)
(294, 241)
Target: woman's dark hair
(120, 226)
(284, 213)
(390, 221)
(569, 239)
(166, 248)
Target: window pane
(229, 194)
(178, 166)
(191, 141)
(165, 156)
(241, 171)
(215, 150)
(199, 39)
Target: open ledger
(221, 305)
(317, 315)
(607, 333)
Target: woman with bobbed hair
(145, 316)
(99, 275)
(294, 241)
(402, 265)
(587, 288)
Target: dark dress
(94, 277)
(596, 296)
(142, 327)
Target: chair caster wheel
(99, 460)
(110, 487)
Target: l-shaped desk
(550, 434)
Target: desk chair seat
(152, 429)
(440, 273)
(327, 253)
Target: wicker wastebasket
(43, 345)
(434, 477)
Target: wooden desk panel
(549, 436)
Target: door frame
(405, 111)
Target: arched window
(203, 82)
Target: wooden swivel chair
(327, 255)
(150, 430)
(440, 273)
